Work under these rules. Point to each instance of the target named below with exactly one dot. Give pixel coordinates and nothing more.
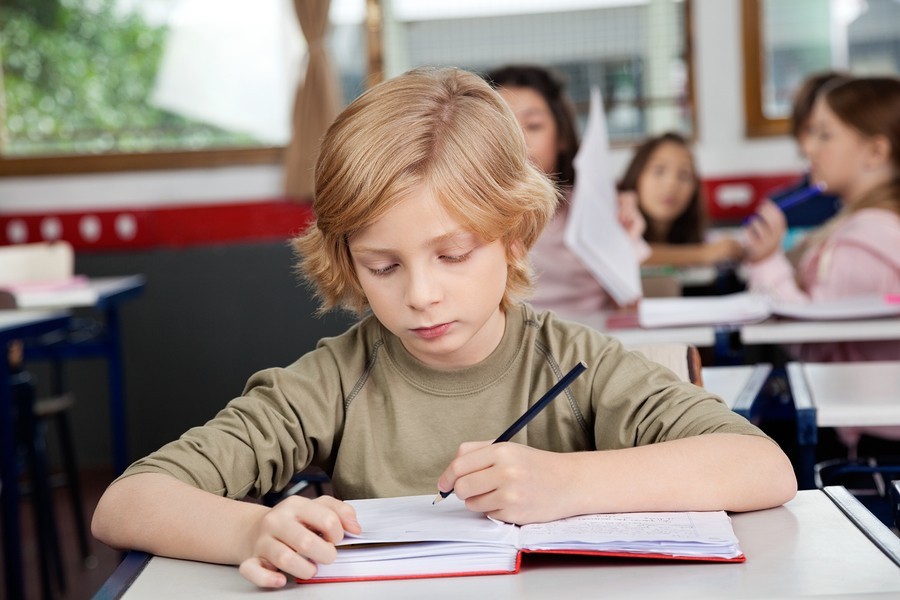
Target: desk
(788, 331)
(15, 325)
(842, 395)
(701, 336)
(738, 386)
(104, 294)
(809, 547)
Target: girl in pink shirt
(854, 150)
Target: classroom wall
(216, 308)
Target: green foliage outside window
(76, 76)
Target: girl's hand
(764, 234)
(723, 250)
(630, 216)
(509, 482)
(293, 536)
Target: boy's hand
(293, 536)
(509, 482)
(765, 231)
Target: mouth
(432, 332)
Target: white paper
(749, 307)
(593, 231)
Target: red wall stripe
(143, 228)
(729, 200)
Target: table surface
(95, 292)
(702, 336)
(806, 548)
(737, 385)
(788, 331)
(848, 394)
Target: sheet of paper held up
(593, 231)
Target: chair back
(681, 359)
(36, 263)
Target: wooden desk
(15, 325)
(104, 294)
(738, 386)
(809, 547)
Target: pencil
(794, 198)
(801, 195)
(532, 412)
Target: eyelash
(451, 259)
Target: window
(784, 42)
(104, 85)
(634, 50)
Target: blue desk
(15, 325)
(104, 295)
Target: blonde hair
(442, 128)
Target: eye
(456, 258)
(382, 271)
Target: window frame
(757, 124)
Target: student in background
(546, 115)
(664, 178)
(824, 206)
(426, 208)
(854, 149)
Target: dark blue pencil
(795, 198)
(801, 195)
(532, 412)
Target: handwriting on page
(674, 526)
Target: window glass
(802, 37)
(633, 50)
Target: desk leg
(12, 532)
(118, 422)
(807, 440)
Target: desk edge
(865, 521)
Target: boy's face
(432, 283)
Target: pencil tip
(437, 498)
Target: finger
(295, 558)
(467, 447)
(262, 573)
(468, 459)
(347, 515)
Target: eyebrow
(437, 241)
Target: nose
(422, 288)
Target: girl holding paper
(546, 115)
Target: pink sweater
(562, 282)
(861, 256)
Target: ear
(879, 152)
(517, 248)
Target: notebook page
(676, 533)
(415, 518)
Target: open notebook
(747, 307)
(409, 537)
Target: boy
(426, 209)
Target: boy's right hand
(293, 536)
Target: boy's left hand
(510, 482)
